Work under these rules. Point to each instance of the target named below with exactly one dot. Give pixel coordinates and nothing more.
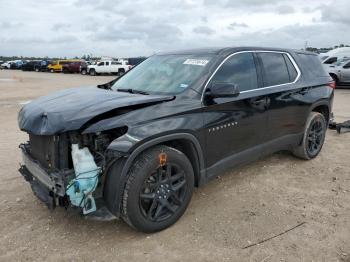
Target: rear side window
(240, 70)
(313, 64)
(275, 69)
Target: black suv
(137, 146)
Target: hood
(70, 109)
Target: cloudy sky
(143, 27)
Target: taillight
(332, 84)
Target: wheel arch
(322, 108)
(186, 143)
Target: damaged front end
(68, 169)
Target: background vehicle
(73, 67)
(334, 56)
(42, 66)
(7, 65)
(340, 72)
(30, 66)
(109, 67)
(56, 66)
(144, 140)
(17, 64)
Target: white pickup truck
(109, 67)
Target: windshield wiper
(132, 91)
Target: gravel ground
(237, 209)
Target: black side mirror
(221, 90)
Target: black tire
(314, 136)
(83, 72)
(36, 69)
(156, 196)
(335, 78)
(121, 72)
(52, 70)
(92, 72)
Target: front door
(235, 127)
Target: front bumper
(49, 186)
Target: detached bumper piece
(340, 127)
(49, 187)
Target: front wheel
(92, 72)
(158, 189)
(314, 136)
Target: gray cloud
(60, 26)
(205, 30)
(285, 9)
(338, 13)
(235, 25)
(142, 27)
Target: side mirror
(221, 90)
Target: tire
(83, 72)
(121, 72)
(36, 69)
(156, 196)
(92, 72)
(314, 136)
(335, 78)
(52, 70)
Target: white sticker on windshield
(199, 62)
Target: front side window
(275, 69)
(239, 70)
(165, 74)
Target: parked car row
(110, 66)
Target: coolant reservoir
(83, 161)
(81, 187)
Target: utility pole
(306, 43)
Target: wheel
(314, 136)
(92, 72)
(83, 72)
(158, 189)
(52, 71)
(335, 78)
(121, 72)
(36, 69)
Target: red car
(73, 67)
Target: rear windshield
(313, 64)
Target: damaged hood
(70, 109)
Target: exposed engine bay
(69, 167)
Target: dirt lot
(242, 207)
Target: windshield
(164, 74)
(343, 61)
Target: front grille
(50, 151)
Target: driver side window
(239, 70)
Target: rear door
(287, 105)
(235, 126)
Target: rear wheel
(52, 71)
(314, 136)
(92, 72)
(158, 189)
(83, 72)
